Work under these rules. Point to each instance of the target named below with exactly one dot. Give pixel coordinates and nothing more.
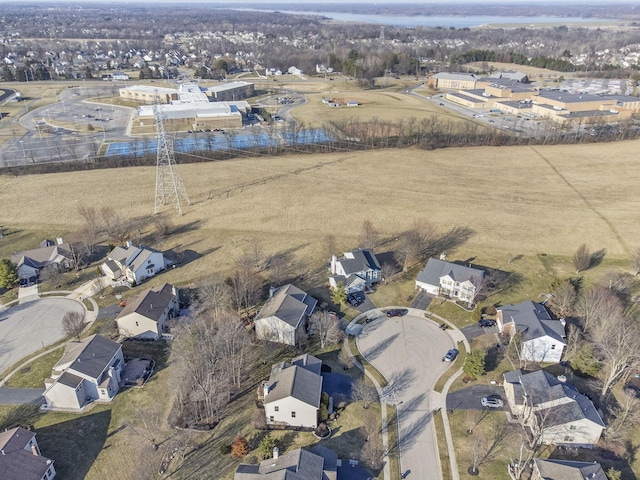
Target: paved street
(28, 327)
(21, 396)
(408, 352)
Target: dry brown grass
(518, 200)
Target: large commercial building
(146, 94)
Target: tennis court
(229, 141)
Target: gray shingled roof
(150, 303)
(289, 304)
(298, 464)
(90, 356)
(542, 387)
(132, 257)
(69, 379)
(309, 362)
(551, 469)
(533, 320)
(436, 268)
(363, 260)
(299, 380)
(17, 463)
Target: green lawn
(34, 374)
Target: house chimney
(59, 240)
(174, 292)
(129, 244)
(334, 260)
(276, 453)
(443, 256)
(265, 389)
(34, 450)
(272, 290)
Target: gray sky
(315, 2)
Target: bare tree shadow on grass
(453, 238)
(20, 416)
(597, 257)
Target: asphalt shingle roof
(16, 463)
(298, 380)
(363, 260)
(569, 470)
(298, 464)
(150, 303)
(436, 268)
(89, 356)
(533, 320)
(289, 304)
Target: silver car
(491, 402)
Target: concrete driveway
(28, 327)
(408, 351)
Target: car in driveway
(492, 402)
(33, 280)
(451, 355)
(397, 312)
(486, 322)
(23, 282)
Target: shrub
(324, 399)
(225, 449)
(490, 310)
(474, 364)
(239, 447)
(324, 413)
(265, 449)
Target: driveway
(31, 326)
(112, 311)
(366, 305)
(422, 300)
(408, 351)
(475, 330)
(21, 396)
(469, 398)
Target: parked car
(33, 280)
(450, 355)
(486, 322)
(23, 282)
(397, 312)
(492, 402)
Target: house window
(553, 347)
(276, 408)
(568, 439)
(572, 427)
(137, 324)
(271, 418)
(293, 414)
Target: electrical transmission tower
(169, 186)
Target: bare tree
(99, 286)
(256, 253)
(114, 226)
(215, 295)
(91, 217)
(278, 266)
(344, 357)
(73, 324)
(624, 416)
(414, 244)
(370, 236)
(372, 451)
(620, 283)
(581, 258)
(635, 262)
(327, 327)
(563, 299)
(164, 225)
(51, 273)
(597, 306)
(245, 283)
(618, 348)
(360, 391)
(234, 342)
(330, 245)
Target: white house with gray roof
(356, 271)
(89, 370)
(292, 393)
(543, 338)
(443, 278)
(146, 315)
(21, 458)
(315, 463)
(565, 416)
(136, 264)
(30, 262)
(551, 469)
(285, 315)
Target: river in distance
(445, 21)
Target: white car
(492, 402)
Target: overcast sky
(315, 2)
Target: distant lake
(446, 21)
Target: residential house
(21, 458)
(549, 405)
(146, 315)
(88, 371)
(285, 315)
(316, 462)
(542, 338)
(291, 396)
(549, 469)
(443, 278)
(30, 262)
(136, 264)
(356, 271)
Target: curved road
(408, 352)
